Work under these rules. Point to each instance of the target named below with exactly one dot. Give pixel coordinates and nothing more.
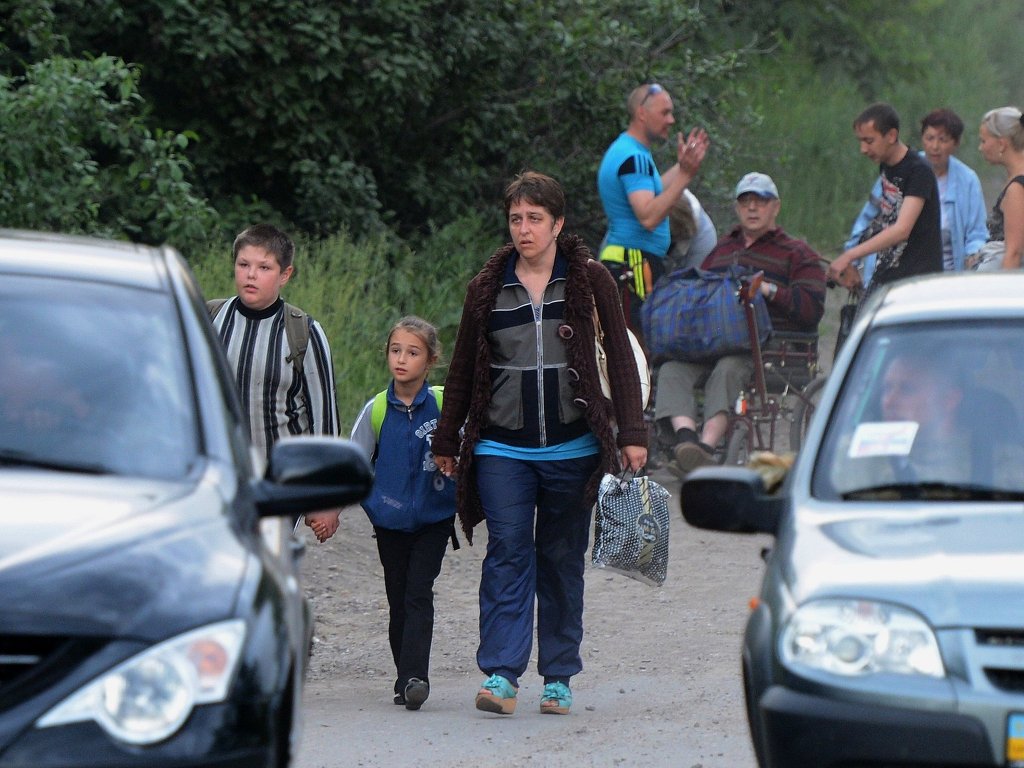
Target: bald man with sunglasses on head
(637, 198)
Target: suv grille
(30, 663)
(1009, 680)
(1006, 638)
(1005, 676)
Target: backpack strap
(213, 306)
(297, 326)
(380, 407)
(377, 412)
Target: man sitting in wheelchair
(794, 290)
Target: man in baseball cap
(793, 288)
(760, 184)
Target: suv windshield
(929, 411)
(93, 379)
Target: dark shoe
(416, 692)
(399, 699)
(690, 456)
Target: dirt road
(660, 686)
(661, 679)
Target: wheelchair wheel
(803, 409)
(737, 449)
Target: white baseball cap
(759, 183)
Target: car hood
(112, 556)
(957, 567)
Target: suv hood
(113, 556)
(958, 567)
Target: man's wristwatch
(773, 288)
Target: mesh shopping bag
(631, 528)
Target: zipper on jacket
(538, 330)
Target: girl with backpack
(412, 504)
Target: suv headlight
(860, 637)
(148, 697)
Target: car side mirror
(306, 474)
(730, 499)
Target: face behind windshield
(93, 378)
(929, 411)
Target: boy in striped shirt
(284, 391)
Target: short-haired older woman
(1002, 143)
(537, 436)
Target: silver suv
(890, 626)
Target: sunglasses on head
(653, 90)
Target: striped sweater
(279, 402)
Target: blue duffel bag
(696, 315)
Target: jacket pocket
(506, 406)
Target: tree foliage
(394, 115)
(77, 156)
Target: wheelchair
(773, 411)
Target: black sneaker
(416, 692)
(689, 456)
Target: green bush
(77, 157)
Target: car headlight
(861, 637)
(148, 697)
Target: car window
(94, 379)
(928, 411)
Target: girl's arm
(1013, 225)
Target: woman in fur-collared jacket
(536, 437)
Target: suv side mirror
(730, 499)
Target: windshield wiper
(933, 492)
(23, 459)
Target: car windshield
(93, 379)
(928, 411)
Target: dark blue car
(150, 610)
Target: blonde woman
(1002, 143)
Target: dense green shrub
(78, 156)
